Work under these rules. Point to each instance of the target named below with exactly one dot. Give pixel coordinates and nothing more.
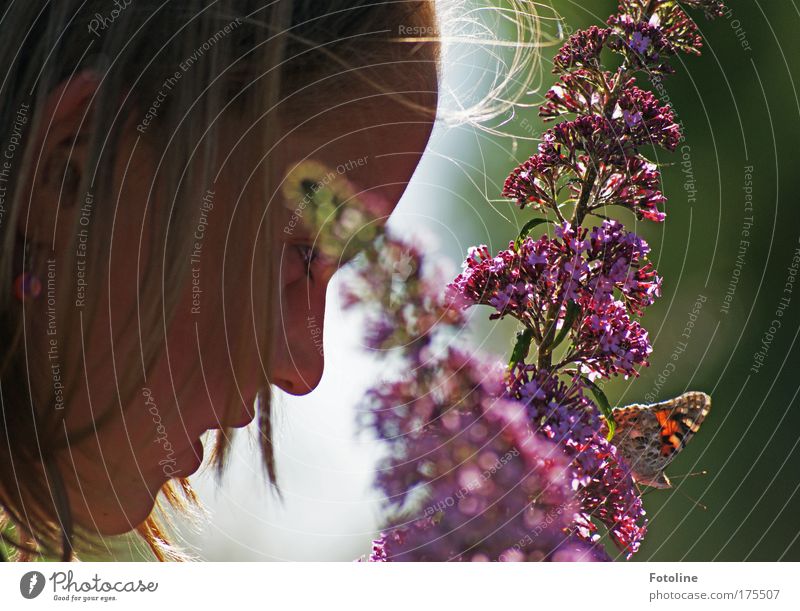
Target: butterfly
(649, 437)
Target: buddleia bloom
(466, 477)
(531, 276)
(582, 49)
(512, 461)
(644, 44)
(606, 492)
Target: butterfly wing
(650, 436)
(680, 419)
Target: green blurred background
(739, 107)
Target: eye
(308, 256)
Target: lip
(245, 419)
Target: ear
(59, 160)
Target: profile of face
(370, 141)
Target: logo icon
(31, 584)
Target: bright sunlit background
(739, 107)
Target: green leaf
(572, 311)
(528, 227)
(605, 407)
(521, 347)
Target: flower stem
(581, 208)
(548, 334)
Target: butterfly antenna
(645, 490)
(693, 474)
(692, 499)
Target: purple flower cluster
(643, 44)
(536, 182)
(595, 145)
(401, 299)
(609, 342)
(534, 279)
(646, 122)
(466, 478)
(678, 28)
(486, 466)
(614, 117)
(579, 91)
(635, 186)
(585, 137)
(617, 259)
(565, 415)
(582, 49)
(513, 463)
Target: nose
(296, 336)
(297, 389)
(300, 359)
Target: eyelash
(308, 255)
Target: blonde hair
(498, 48)
(242, 54)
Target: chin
(118, 523)
(298, 386)
(109, 514)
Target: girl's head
(143, 181)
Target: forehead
(371, 124)
(399, 78)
